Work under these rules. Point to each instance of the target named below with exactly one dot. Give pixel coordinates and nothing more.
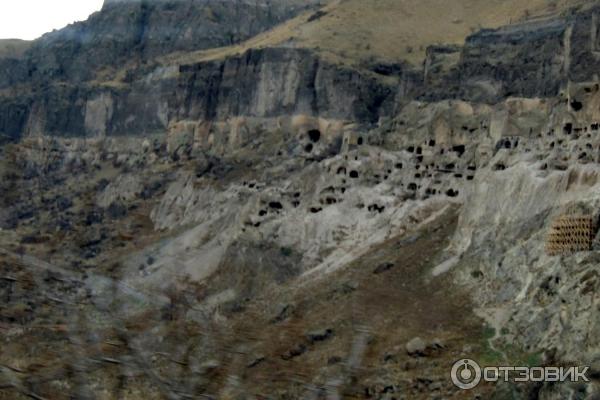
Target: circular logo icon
(466, 374)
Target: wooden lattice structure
(570, 234)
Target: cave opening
(276, 205)
(576, 105)
(568, 128)
(314, 135)
(451, 193)
(459, 149)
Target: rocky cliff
(275, 223)
(211, 91)
(531, 59)
(135, 31)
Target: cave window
(568, 128)
(276, 205)
(460, 149)
(354, 174)
(451, 193)
(576, 105)
(314, 135)
(376, 207)
(308, 148)
(360, 141)
(341, 170)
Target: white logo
(466, 374)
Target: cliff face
(138, 30)
(260, 83)
(532, 59)
(526, 61)
(12, 72)
(275, 82)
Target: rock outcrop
(267, 83)
(135, 31)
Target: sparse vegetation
(13, 48)
(342, 28)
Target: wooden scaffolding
(570, 234)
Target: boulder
(416, 347)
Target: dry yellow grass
(402, 29)
(351, 31)
(13, 48)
